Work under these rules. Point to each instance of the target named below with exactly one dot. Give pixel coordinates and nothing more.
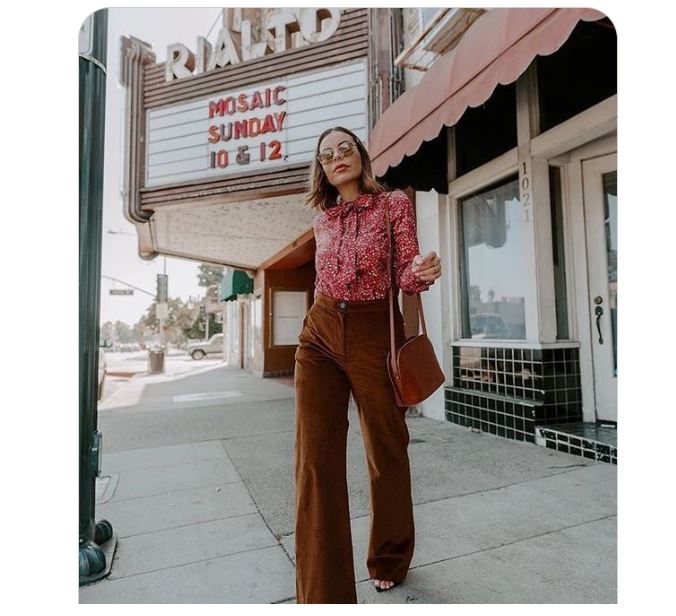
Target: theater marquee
(259, 127)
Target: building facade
(219, 142)
(508, 133)
(500, 124)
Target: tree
(209, 275)
(180, 318)
(123, 333)
(140, 333)
(106, 334)
(197, 330)
(117, 333)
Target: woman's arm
(405, 244)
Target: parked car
(128, 347)
(488, 325)
(213, 346)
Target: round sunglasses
(345, 149)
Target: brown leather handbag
(413, 367)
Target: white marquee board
(182, 143)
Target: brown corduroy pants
(343, 347)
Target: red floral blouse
(352, 247)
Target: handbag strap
(420, 317)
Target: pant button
(342, 305)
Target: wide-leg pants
(343, 348)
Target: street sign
(122, 291)
(161, 311)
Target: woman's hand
(427, 268)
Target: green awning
(235, 283)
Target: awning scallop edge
(496, 49)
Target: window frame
(464, 327)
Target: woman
(342, 349)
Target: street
(197, 482)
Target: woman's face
(341, 170)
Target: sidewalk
(127, 375)
(198, 485)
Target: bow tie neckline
(361, 201)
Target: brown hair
(321, 191)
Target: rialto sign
(232, 47)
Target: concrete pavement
(198, 485)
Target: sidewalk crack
(508, 543)
(253, 500)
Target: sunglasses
(345, 149)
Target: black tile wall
(508, 391)
(569, 443)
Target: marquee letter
(254, 127)
(283, 24)
(203, 55)
(256, 100)
(242, 103)
(278, 99)
(243, 155)
(268, 125)
(251, 50)
(241, 129)
(311, 23)
(180, 62)
(216, 108)
(224, 52)
(280, 117)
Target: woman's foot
(383, 584)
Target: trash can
(155, 361)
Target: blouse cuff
(410, 283)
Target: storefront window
(288, 311)
(493, 276)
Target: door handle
(598, 311)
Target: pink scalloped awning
(496, 49)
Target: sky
(158, 27)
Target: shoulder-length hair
(321, 192)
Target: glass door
(600, 205)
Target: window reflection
(493, 278)
(610, 206)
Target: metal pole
(92, 70)
(163, 340)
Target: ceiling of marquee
(244, 234)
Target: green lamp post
(92, 71)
